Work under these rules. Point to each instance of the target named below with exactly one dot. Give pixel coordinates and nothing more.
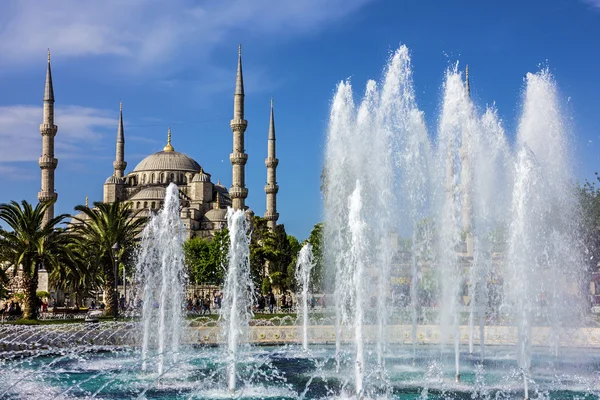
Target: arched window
(172, 177)
(144, 179)
(153, 205)
(152, 178)
(137, 205)
(145, 204)
(184, 179)
(162, 178)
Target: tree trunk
(109, 300)
(30, 308)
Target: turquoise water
(290, 373)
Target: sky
(174, 63)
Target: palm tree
(31, 245)
(100, 228)
(77, 273)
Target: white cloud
(593, 3)
(78, 129)
(153, 31)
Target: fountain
(238, 290)
(433, 242)
(160, 272)
(304, 265)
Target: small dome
(167, 161)
(150, 193)
(216, 215)
(114, 179)
(201, 177)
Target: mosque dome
(201, 177)
(114, 179)
(167, 161)
(150, 193)
(216, 215)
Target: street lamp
(115, 253)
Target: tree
(77, 273)
(262, 250)
(31, 245)
(317, 274)
(294, 248)
(206, 259)
(589, 200)
(103, 226)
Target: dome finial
(48, 54)
(168, 147)
(86, 201)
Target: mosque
(203, 203)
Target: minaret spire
(271, 188)
(120, 164)
(47, 161)
(468, 85)
(466, 177)
(238, 191)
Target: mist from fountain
(238, 292)
(160, 271)
(304, 266)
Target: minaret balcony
(238, 193)
(238, 158)
(238, 125)
(119, 165)
(271, 216)
(48, 129)
(48, 162)
(47, 196)
(271, 162)
(271, 188)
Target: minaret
(467, 179)
(47, 161)
(238, 191)
(271, 188)
(120, 163)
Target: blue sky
(173, 64)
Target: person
(283, 301)
(93, 305)
(122, 302)
(207, 304)
(196, 304)
(272, 302)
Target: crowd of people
(202, 304)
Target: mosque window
(162, 177)
(145, 204)
(184, 179)
(172, 177)
(153, 205)
(137, 205)
(152, 178)
(143, 179)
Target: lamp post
(115, 253)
